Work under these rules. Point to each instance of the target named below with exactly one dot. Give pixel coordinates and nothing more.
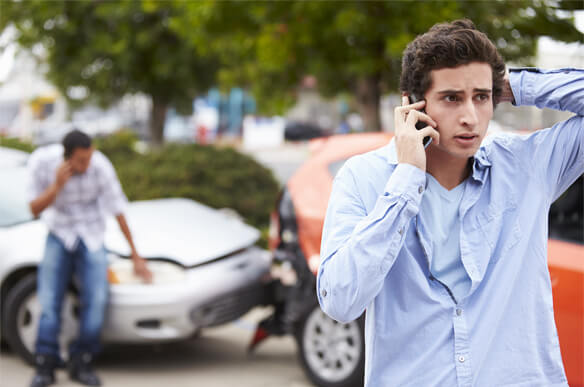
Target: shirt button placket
(461, 347)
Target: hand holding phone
(64, 172)
(409, 137)
(420, 124)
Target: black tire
(18, 295)
(17, 318)
(323, 376)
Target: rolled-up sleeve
(555, 154)
(359, 247)
(112, 199)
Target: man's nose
(469, 116)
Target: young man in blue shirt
(445, 245)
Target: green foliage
(270, 46)
(14, 143)
(217, 177)
(173, 49)
(114, 48)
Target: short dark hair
(448, 45)
(75, 139)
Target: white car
(207, 270)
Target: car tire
(331, 353)
(22, 313)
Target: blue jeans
(54, 277)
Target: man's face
(80, 159)
(460, 101)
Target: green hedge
(14, 143)
(217, 177)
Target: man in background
(75, 187)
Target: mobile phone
(420, 124)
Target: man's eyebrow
(453, 91)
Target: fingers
(64, 172)
(429, 131)
(141, 269)
(147, 276)
(66, 168)
(415, 116)
(407, 106)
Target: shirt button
(420, 189)
(461, 359)
(401, 231)
(458, 312)
(323, 293)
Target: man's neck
(449, 171)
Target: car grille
(228, 307)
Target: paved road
(217, 358)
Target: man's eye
(450, 98)
(483, 97)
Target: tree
(115, 48)
(172, 49)
(357, 45)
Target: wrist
(57, 186)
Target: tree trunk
(157, 118)
(368, 98)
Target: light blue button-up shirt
(375, 255)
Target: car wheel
(22, 312)
(332, 353)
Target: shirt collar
(480, 166)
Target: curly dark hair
(448, 45)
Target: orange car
(332, 353)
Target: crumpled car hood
(181, 230)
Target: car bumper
(212, 294)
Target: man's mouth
(466, 136)
(466, 139)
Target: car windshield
(13, 206)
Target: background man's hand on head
(64, 172)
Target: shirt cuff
(407, 180)
(116, 207)
(521, 82)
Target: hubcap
(28, 317)
(332, 349)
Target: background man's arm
(48, 196)
(140, 267)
